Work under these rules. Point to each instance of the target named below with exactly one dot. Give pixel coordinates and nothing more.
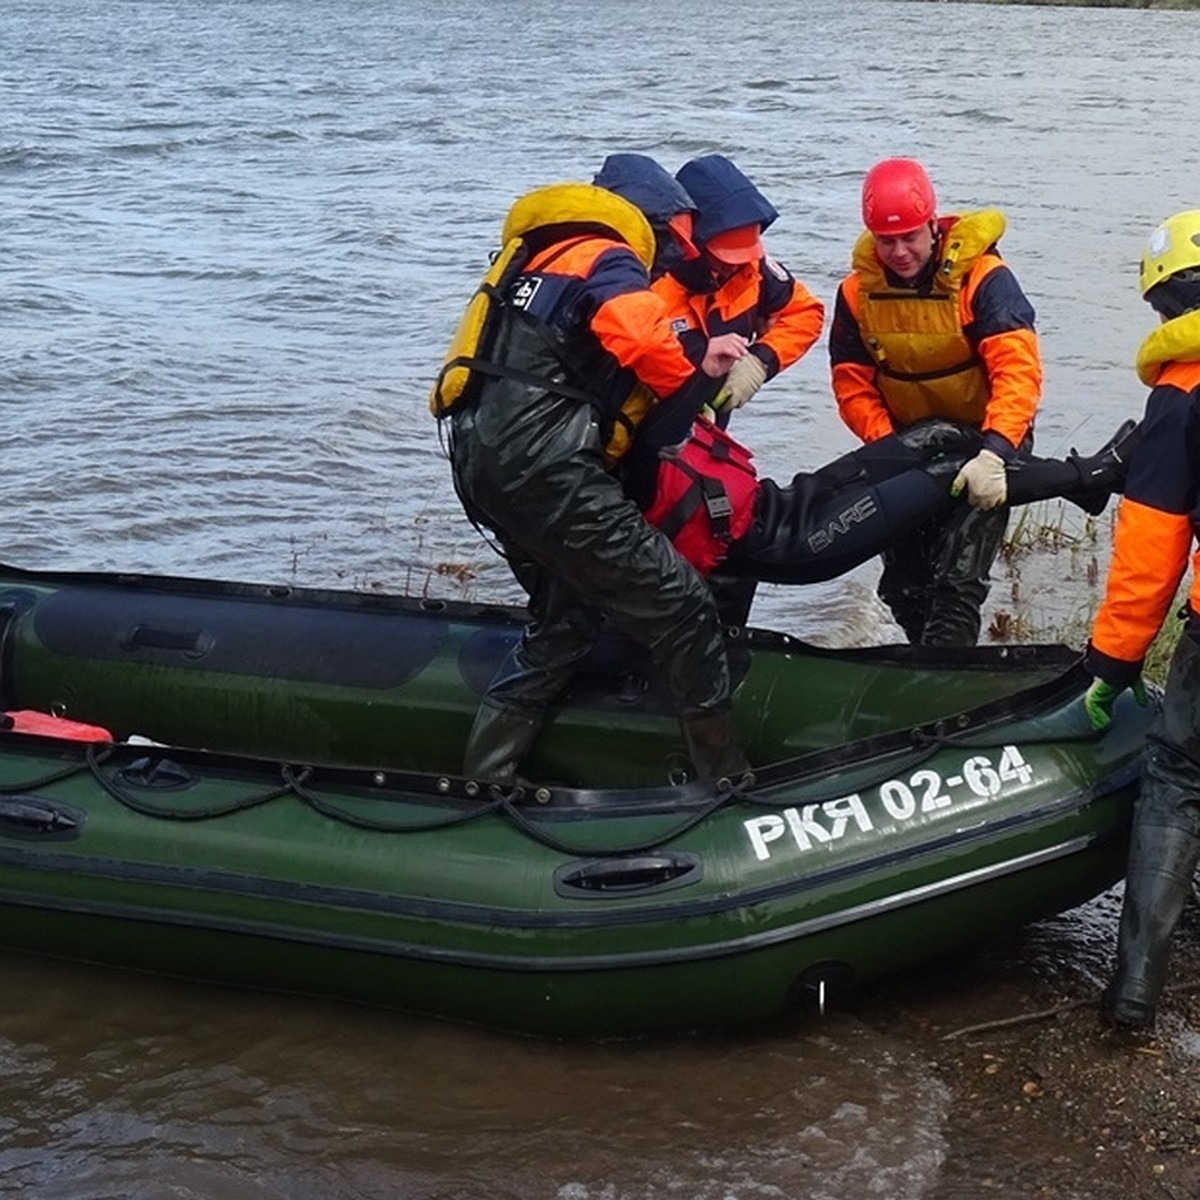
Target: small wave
(30, 156)
(980, 116)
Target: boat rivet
(543, 795)
(443, 785)
(472, 788)
(380, 779)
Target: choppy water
(236, 235)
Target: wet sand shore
(1055, 1105)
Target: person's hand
(723, 351)
(984, 480)
(1099, 699)
(746, 376)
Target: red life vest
(704, 498)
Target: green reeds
(1052, 547)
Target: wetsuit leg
(1086, 480)
(818, 528)
(885, 498)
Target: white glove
(745, 377)
(984, 480)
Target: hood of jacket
(725, 198)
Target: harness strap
(702, 490)
(528, 378)
(919, 376)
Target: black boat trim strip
(526, 964)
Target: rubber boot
(498, 741)
(712, 746)
(1162, 860)
(1103, 473)
(963, 549)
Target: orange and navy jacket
(762, 301)
(997, 330)
(591, 296)
(596, 284)
(1157, 526)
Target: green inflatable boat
(274, 800)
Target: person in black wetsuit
(705, 495)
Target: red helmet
(897, 197)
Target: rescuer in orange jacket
(734, 286)
(1157, 528)
(581, 355)
(930, 322)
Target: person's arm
(1152, 541)
(999, 321)
(794, 318)
(853, 371)
(632, 323)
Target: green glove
(1098, 701)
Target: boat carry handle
(190, 643)
(28, 817)
(628, 875)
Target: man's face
(720, 270)
(905, 254)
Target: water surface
(237, 235)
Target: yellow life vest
(559, 204)
(1177, 340)
(632, 413)
(926, 365)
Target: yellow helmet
(1173, 247)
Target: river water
(236, 237)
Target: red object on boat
(29, 720)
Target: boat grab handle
(628, 876)
(29, 817)
(190, 643)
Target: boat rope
(296, 782)
(336, 813)
(508, 799)
(41, 781)
(122, 795)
